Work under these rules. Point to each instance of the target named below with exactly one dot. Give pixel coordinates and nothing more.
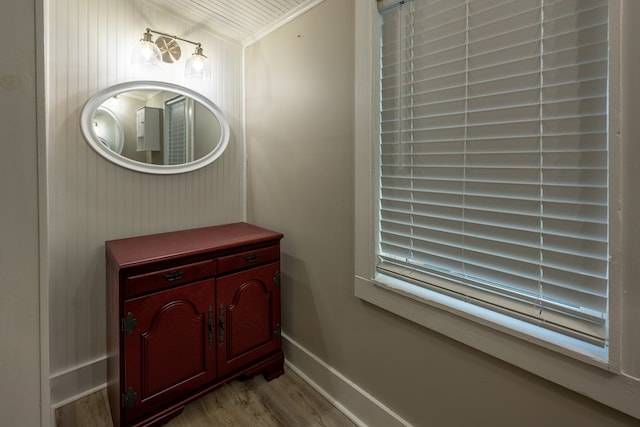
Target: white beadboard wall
(90, 200)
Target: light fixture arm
(171, 36)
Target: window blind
(494, 156)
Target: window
(609, 374)
(493, 158)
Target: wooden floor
(284, 401)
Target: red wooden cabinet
(187, 312)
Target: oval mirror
(154, 127)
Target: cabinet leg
(273, 373)
(161, 418)
(271, 368)
(275, 369)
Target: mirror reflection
(108, 129)
(158, 127)
(154, 127)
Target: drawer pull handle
(174, 275)
(251, 258)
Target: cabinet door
(170, 350)
(248, 308)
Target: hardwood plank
(90, 411)
(285, 401)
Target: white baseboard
(76, 383)
(358, 405)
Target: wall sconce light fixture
(167, 49)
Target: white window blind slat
(494, 163)
(585, 324)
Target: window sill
(577, 366)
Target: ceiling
(242, 21)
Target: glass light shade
(197, 66)
(147, 53)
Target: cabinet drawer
(248, 259)
(162, 279)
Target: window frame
(613, 378)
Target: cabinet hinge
(276, 278)
(277, 331)
(128, 323)
(129, 398)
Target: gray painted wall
(300, 133)
(19, 259)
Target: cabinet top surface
(154, 247)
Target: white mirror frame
(117, 145)
(99, 98)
